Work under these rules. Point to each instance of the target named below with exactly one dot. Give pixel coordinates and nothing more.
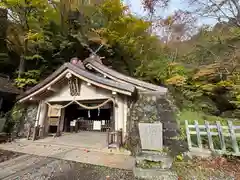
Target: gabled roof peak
(93, 58)
(77, 62)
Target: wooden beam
(52, 89)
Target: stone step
(165, 160)
(154, 152)
(154, 174)
(18, 164)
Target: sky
(137, 8)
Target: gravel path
(42, 168)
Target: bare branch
(228, 10)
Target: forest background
(199, 64)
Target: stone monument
(151, 160)
(151, 136)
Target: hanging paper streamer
(98, 111)
(103, 122)
(89, 114)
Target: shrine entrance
(78, 118)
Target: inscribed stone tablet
(151, 136)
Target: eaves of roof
(83, 73)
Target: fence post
(233, 137)
(221, 136)
(210, 141)
(188, 135)
(199, 140)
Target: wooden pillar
(38, 113)
(115, 114)
(35, 129)
(42, 117)
(58, 133)
(62, 119)
(29, 131)
(125, 118)
(35, 133)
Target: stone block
(154, 174)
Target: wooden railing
(114, 139)
(87, 125)
(217, 132)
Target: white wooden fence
(214, 130)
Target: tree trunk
(21, 67)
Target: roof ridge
(110, 80)
(118, 75)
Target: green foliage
(13, 118)
(17, 113)
(202, 73)
(179, 158)
(29, 78)
(199, 116)
(147, 164)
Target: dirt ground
(6, 155)
(219, 168)
(81, 171)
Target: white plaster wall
(86, 93)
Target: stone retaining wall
(29, 118)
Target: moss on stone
(146, 164)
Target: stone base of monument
(153, 165)
(154, 174)
(165, 161)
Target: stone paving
(72, 153)
(71, 156)
(86, 139)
